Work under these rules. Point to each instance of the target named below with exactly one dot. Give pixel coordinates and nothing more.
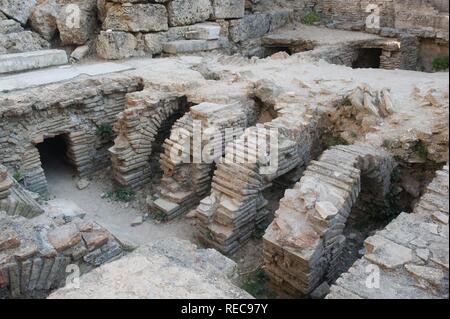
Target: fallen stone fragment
(83, 183)
(64, 237)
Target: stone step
(188, 46)
(17, 62)
(203, 31)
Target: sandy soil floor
(114, 216)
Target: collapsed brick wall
(410, 255)
(37, 257)
(14, 199)
(187, 178)
(146, 114)
(75, 109)
(303, 244)
(230, 215)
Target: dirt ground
(113, 215)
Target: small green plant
(255, 283)
(420, 149)
(346, 101)
(18, 176)
(260, 230)
(440, 64)
(396, 175)
(336, 140)
(311, 18)
(105, 130)
(387, 143)
(123, 194)
(160, 216)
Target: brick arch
(145, 115)
(185, 183)
(305, 240)
(229, 217)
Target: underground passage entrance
(55, 162)
(367, 58)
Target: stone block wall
(34, 25)
(422, 18)
(143, 27)
(75, 109)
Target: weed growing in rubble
(123, 194)
(18, 176)
(440, 64)
(260, 230)
(311, 18)
(255, 283)
(336, 140)
(387, 143)
(346, 101)
(420, 149)
(105, 130)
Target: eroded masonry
(224, 149)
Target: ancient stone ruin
(224, 149)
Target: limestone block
(228, 9)
(186, 46)
(18, 10)
(136, 18)
(43, 18)
(153, 43)
(116, 45)
(31, 60)
(386, 253)
(10, 26)
(186, 12)
(203, 31)
(249, 27)
(24, 41)
(77, 22)
(64, 237)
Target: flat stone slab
(166, 206)
(203, 31)
(386, 253)
(17, 62)
(58, 74)
(188, 46)
(166, 269)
